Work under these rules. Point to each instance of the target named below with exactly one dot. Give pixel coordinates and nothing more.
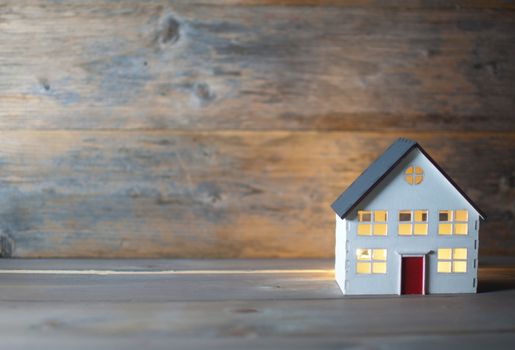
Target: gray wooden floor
(230, 304)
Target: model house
(404, 227)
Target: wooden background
(226, 128)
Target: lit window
(453, 222)
(412, 223)
(420, 225)
(452, 260)
(370, 261)
(372, 222)
(413, 175)
(404, 227)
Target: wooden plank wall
(226, 128)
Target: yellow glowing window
(453, 222)
(405, 226)
(444, 229)
(461, 215)
(413, 175)
(412, 223)
(461, 222)
(420, 226)
(364, 222)
(460, 229)
(372, 222)
(370, 261)
(452, 260)
(379, 215)
(404, 229)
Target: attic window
(413, 175)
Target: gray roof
(377, 171)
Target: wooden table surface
(232, 304)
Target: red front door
(412, 275)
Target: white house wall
(393, 194)
(340, 252)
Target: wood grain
(214, 194)
(291, 311)
(165, 64)
(225, 128)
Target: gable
(433, 193)
(394, 158)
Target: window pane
(444, 215)
(460, 253)
(459, 266)
(380, 215)
(444, 266)
(363, 254)
(364, 216)
(420, 229)
(444, 253)
(379, 229)
(421, 215)
(460, 229)
(363, 267)
(404, 229)
(418, 179)
(364, 229)
(379, 267)
(444, 229)
(405, 215)
(379, 254)
(460, 215)
(418, 170)
(409, 170)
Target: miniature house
(404, 227)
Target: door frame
(414, 255)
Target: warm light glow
(364, 229)
(379, 229)
(404, 229)
(380, 215)
(460, 253)
(372, 224)
(444, 229)
(379, 267)
(362, 267)
(379, 254)
(421, 215)
(370, 261)
(420, 229)
(461, 215)
(457, 223)
(459, 266)
(444, 254)
(363, 254)
(452, 260)
(413, 175)
(460, 229)
(444, 266)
